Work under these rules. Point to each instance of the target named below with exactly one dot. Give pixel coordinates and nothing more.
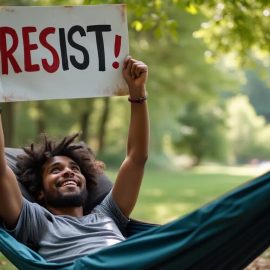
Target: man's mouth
(67, 183)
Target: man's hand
(135, 73)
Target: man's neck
(68, 211)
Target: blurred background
(209, 95)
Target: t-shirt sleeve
(32, 223)
(110, 208)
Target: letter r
(6, 54)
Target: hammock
(227, 233)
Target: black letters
(98, 29)
(75, 45)
(63, 47)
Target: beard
(66, 200)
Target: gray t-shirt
(65, 238)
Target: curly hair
(30, 164)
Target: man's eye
(55, 170)
(76, 169)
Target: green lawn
(5, 264)
(166, 195)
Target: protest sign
(62, 52)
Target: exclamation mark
(117, 47)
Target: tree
(8, 117)
(248, 133)
(258, 92)
(103, 125)
(236, 27)
(202, 131)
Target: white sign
(62, 52)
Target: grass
(5, 264)
(167, 194)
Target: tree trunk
(41, 123)
(8, 118)
(85, 126)
(103, 124)
(84, 120)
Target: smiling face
(63, 183)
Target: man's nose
(68, 172)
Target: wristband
(137, 100)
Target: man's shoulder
(109, 207)
(105, 204)
(36, 208)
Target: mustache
(66, 200)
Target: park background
(209, 95)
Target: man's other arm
(10, 194)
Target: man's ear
(40, 195)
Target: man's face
(63, 183)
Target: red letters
(43, 41)
(7, 54)
(28, 47)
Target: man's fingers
(140, 68)
(134, 69)
(137, 68)
(126, 60)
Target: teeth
(69, 183)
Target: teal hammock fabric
(227, 233)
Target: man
(59, 231)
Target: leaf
(137, 25)
(191, 9)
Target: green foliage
(14, 2)
(248, 133)
(117, 127)
(178, 75)
(258, 92)
(147, 16)
(202, 131)
(238, 27)
(55, 117)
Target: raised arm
(130, 175)
(10, 194)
